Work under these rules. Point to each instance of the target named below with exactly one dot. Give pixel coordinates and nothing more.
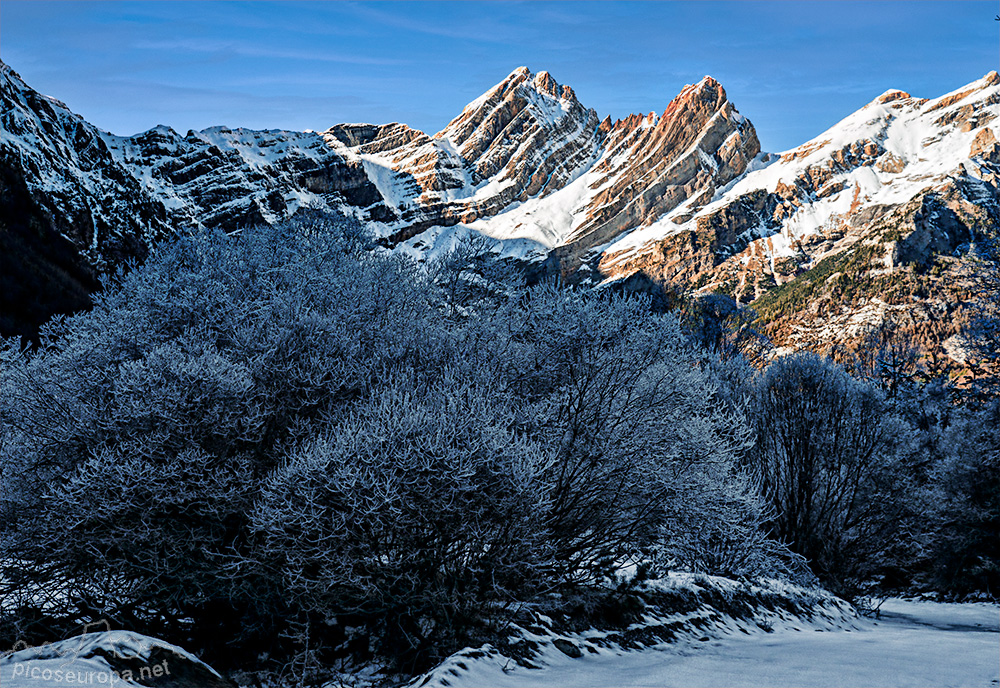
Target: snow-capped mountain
(83, 192)
(524, 161)
(865, 219)
(524, 139)
(114, 196)
(686, 197)
(527, 162)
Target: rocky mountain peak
(653, 164)
(525, 111)
(891, 95)
(697, 100)
(526, 137)
(708, 87)
(540, 94)
(521, 72)
(544, 83)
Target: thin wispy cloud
(482, 28)
(248, 50)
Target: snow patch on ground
(108, 658)
(542, 653)
(913, 644)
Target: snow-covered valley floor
(913, 644)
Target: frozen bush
(421, 512)
(281, 428)
(964, 501)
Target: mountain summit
(524, 138)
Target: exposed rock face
(114, 196)
(616, 177)
(76, 183)
(652, 165)
(525, 138)
(230, 178)
(528, 132)
(873, 211)
(985, 146)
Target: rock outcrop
(653, 164)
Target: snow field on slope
(437, 242)
(547, 221)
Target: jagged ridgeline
(867, 221)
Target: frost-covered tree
(829, 458)
(888, 357)
(964, 508)
(136, 439)
(281, 424)
(982, 332)
(726, 328)
(471, 279)
(728, 535)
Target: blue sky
(793, 68)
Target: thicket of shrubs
(285, 450)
